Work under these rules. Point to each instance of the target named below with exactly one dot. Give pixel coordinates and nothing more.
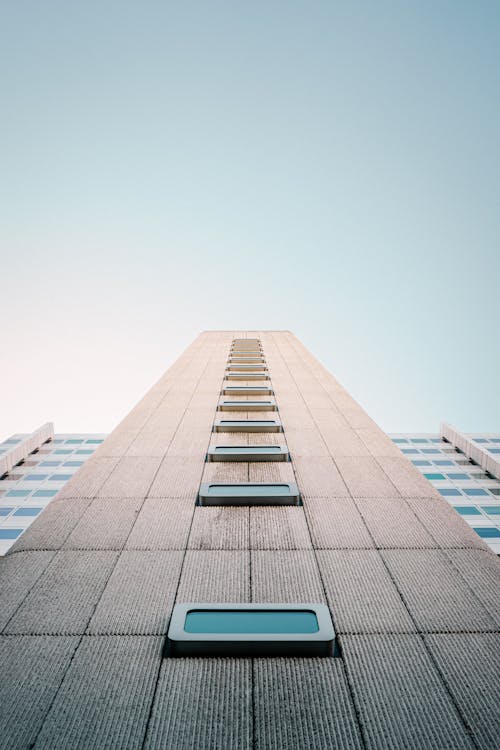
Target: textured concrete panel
(392, 523)
(343, 441)
(132, 477)
(306, 443)
(436, 597)
(304, 703)
(18, 575)
(190, 442)
(105, 524)
(319, 477)
(445, 525)
(279, 528)
(89, 478)
(364, 477)
(105, 698)
(33, 667)
(470, 665)
(215, 576)
(408, 480)
(162, 523)
(202, 703)
(225, 471)
(139, 595)
(52, 527)
(220, 528)
(401, 700)
(377, 442)
(177, 477)
(481, 570)
(116, 444)
(153, 443)
(64, 597)
(262, 471)
(361, 595)
(285, 576)
(336, 524)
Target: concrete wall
(87, 592)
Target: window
(458, 476)
(409, 451)
(493, 450)
(430, 450)
(475, 492)
(74, 442)
(73, 463)
(432, 477)
(27, 511)
(419, 440)
(251, 630)
(247, 376)
(492, 510)
(84, 452)
(488, 532)
(480, 440)
(399, 440)
(226, 405)
(62, 451)
(95, 442)
(443, 463)
(247, 425)
(45, 493)
(466, 510)
(18, 493)
(10, 533)
(247, 390)
(50, 463)
(247, 453)
(249, 494)
(421, 463)
(35, 477)
(5, 511)
(449, 491)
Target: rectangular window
(28, 511)
(259, 630)
(466, 510)
(449, 491)
(247, 390)
(247, 376)
(247, 368)
(487, 532)
(421, 463)
(35, 477)
(10, 533)
(249, 494)
(45, 493)
(247, 453)
(458, 476)
(475, 492)
(248, 425)
(434, 477)
(491, 510)
(268, 405)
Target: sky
(330, 168)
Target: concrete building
(159, 521)
(34, 467)
(465, 470)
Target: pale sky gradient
(331, 168)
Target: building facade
(33, 469)
(192, 503)
(465, 470)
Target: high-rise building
(34, 467)
(465, 470)
(249, 561)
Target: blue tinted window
(465, 510)
(10, 533)
(419, 440)
(399, 440)
(5, 511)
(60, 477)
(492, 510)
(429, 450)
(17, 493)
(96, 442)
(35, 477)
(435, 440)
(449, 491)
(45, 493)
(480, 440)
(495, 440)
(443, 463)
(84, 452)
(63, 451)
(421, 463)
(493, 450)
(27, 511)
(488, 532)
(474, 492)
(50, 463)
(73, 463)
(458, 476)
(409, 451)
(434, 476)
(74, 442)
(251, 621)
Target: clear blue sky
(330, 168)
